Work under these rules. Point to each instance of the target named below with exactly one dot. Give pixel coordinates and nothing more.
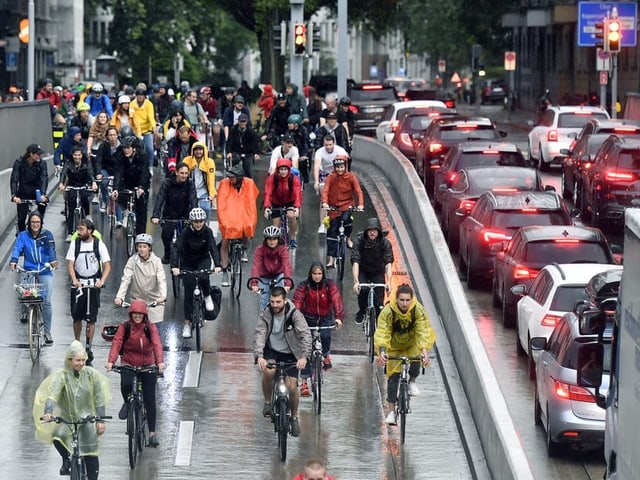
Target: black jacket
(194, 246)
(131, 173)
(175, 200)
(105, 160)
(246, 141)
(25, 179)
(277, 121)
(372, 256)
(72, 176)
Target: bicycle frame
(403, 406)
(341, 252)
(279, 280)
(371, 317)
(33, 309)
(284, 224)
(78, 212)
(129, 221)
(197, 317)
(317, 365)
(281, 409)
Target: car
(443, 134)
(412, 124)
(495, 218)
(568, 412)
(579, 157)
(387, 127)
(618, 126)
(468, 184)
(612, 183)
(557, 128)
(475, 154)
(556, 290)
(402, 84)
(519, 260)
(428, 94)
(369, 104)
(494, 91)
(326, 84)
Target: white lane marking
(185, 442)
(192, 370)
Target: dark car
(531, 248)
(442, 134)
(612, 183)
(495, 218)
(468, 184)
(369, 104)
(494, 91)
(412, 124)
(427, 94)
(475, 154)
(578, 158)
(618, 126)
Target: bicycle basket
(30, 292)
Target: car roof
(479, 146)
(576, 108)
(417, 104)
(548, 232)
(613, 122)
(462, 120)
(502, 171)
(627, 142)
(529, 199)
(577, 273)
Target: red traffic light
(299, 38)
(614, 35)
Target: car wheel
(495, 298)
(521, 352)
(553, 447)
(531, 157)
(537, 411)
(566, 193)
(543, 166)
(507, 315)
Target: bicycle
(341, 252)
(32, 205)
(78, 211)
(370, 317)
(111, 206)
(180, 224)
(265, 288)
(137, 427)
(129, 221)
(403, 402)
(317, 365)
(31, 295)
(77, 466)
(284, 225)
(197, 316)
(237, 251)
(281, 409)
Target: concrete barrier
(502, 448)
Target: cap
(282, 96)
(332, 115)
(287, 138)
(239, 98)
(243, 117)
(34, 148)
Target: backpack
(127, 332)
(395, 326)
(96, 251)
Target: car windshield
(629, 160)
(485, 183)
(550, 251)
(486, 159)
(373, 95)
(514, 219)
(566, 297)
(476, 132)
(573, 120)
(417, 122)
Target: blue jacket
(99, 104)
(36, 251)
(65, 147)
(227, 116)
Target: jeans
(265, 286)
(47, 313)
(148, 144)
(325, 337)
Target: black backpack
(127, 332)
(96, 251)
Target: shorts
(272, 355)
(78, 304)
(276, 212)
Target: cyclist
(319, 300)
(39, 248)
(73, 392)
(195, 250)
(371, 260)
(132, 174)
(231, 115)
(141, 348)
(144, 273)
(123, 115)
(297, 101)
(282, 190)
(173, 123)
(98, 102)
(89, 266)
(403, 329)
(81, 120)
(276, 124)
(270, 262)
(77, 173)
(176, 198)
(106, 163)
(97, 134)
(28, 175)
(237, 214)
(300, 135)
(72, 138)
(225, 101)
(322, 167)
(203, 173)
(347, 119)
(281, 335)
(314, 470)
(286, 150)
(145, 115)
(179, 147)
(333, 128)
(243, 142)
(195, 113)
(341, 190)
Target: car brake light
(465, 126)
(435, 147)
(529, 210)
(504, 190)
(582, 113)
(490, 152)
(524, 273)
(405, 139)
(613, 176)
(491, 237)
(450, 103)
(550, 320)
(552, 136)
(625, 130)
(372, 87)
(394, 126)
(434, 114)
(573, 392)
(452, 176)
(467, 204)
(566, 240)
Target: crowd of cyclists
(114, 151)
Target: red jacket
(138, 350)
(53, 97)
(281, 194)
(271, 262)
(319, 301)
(339, 191)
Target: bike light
(196, 291)
(282, 388)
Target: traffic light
(614, 35)
(279, 38)
(599, 34)
(299, 38)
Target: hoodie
(63, 152)
(207, 166)
(141, 349)
(297, 101)
(318, 299)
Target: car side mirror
(565, 151)
(519, 290)
(497, 247)
(388, 129)
(503, 133)
(571, 135)
(538, 343)
(549, 188)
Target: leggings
(91, 462)
(149, 381)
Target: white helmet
(123, 99)
(197, 214)
(144, 238)
(272, 232)
(97, 87)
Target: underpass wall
(504, 453)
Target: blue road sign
(11, 61)
(591, 12)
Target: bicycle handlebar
(87, 419)
(136, 370)
(47, 267)
(272, 283)
(163, 221)
(149, 304)
(271, 364)
(372, 285)
(329, 327)
(196, 272)
(84, 188)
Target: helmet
(138, 306)
(123, 99)
(97, 88)
(83, 107)
(271, 232)
(235, 171)
(197, 214)
(295, 118)
(205, 90)
(282, 96)
(184, 84)
(130, 141)
(287, 137)
(141, 91)
(340, 160)
(126, 131)
(109, 331)
(345, 101)
(144, 238)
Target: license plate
(373, 110)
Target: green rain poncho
(74, 395)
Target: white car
(554, 292)
(386, 128)
(557, 129)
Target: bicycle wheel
(130, 234)
(404, 409)
(143, 428)
(236, 275)
(35, 332)
(77, 216)
(76, 468)
(317, 382)
(175, 283)
(340, 259)
(132, 433)
(371, 330)
(196, 321)
(283, 428)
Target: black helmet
(141, 91)
(109, 331)
(236, 171)
(126, 131)
(130, 141)
(345, 101)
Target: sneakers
(103, 210)
(208, 303)
(295, 427)
(267, 410)
(186, 331)
(244, 258)
(48, 339)
(153, 441)
(414, 391)
(124, 411)
(304, 390)
(65, 469)
(68, 239)
(322, 229)
(94, 200)
(119, 224)
(293, 243)
(391, 419)
(359, 318)
(330, 266)
(225, 279)
(326, 363)
(89, 362)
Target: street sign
(604, 78)
(591, 12)
(603, 61)
(509, 60)
(442, 66)
(455, 78)
(11, 61)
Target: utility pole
(342, 48)
(31, 51)
(296, 59)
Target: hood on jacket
(294, 87)
(74, 349)
(138, 306)
(283, 162)
(268, 90)
(73, 131)
(393, 303)
(316, 264)
(201, 145)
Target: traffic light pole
(614, 84)
(296, 64)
